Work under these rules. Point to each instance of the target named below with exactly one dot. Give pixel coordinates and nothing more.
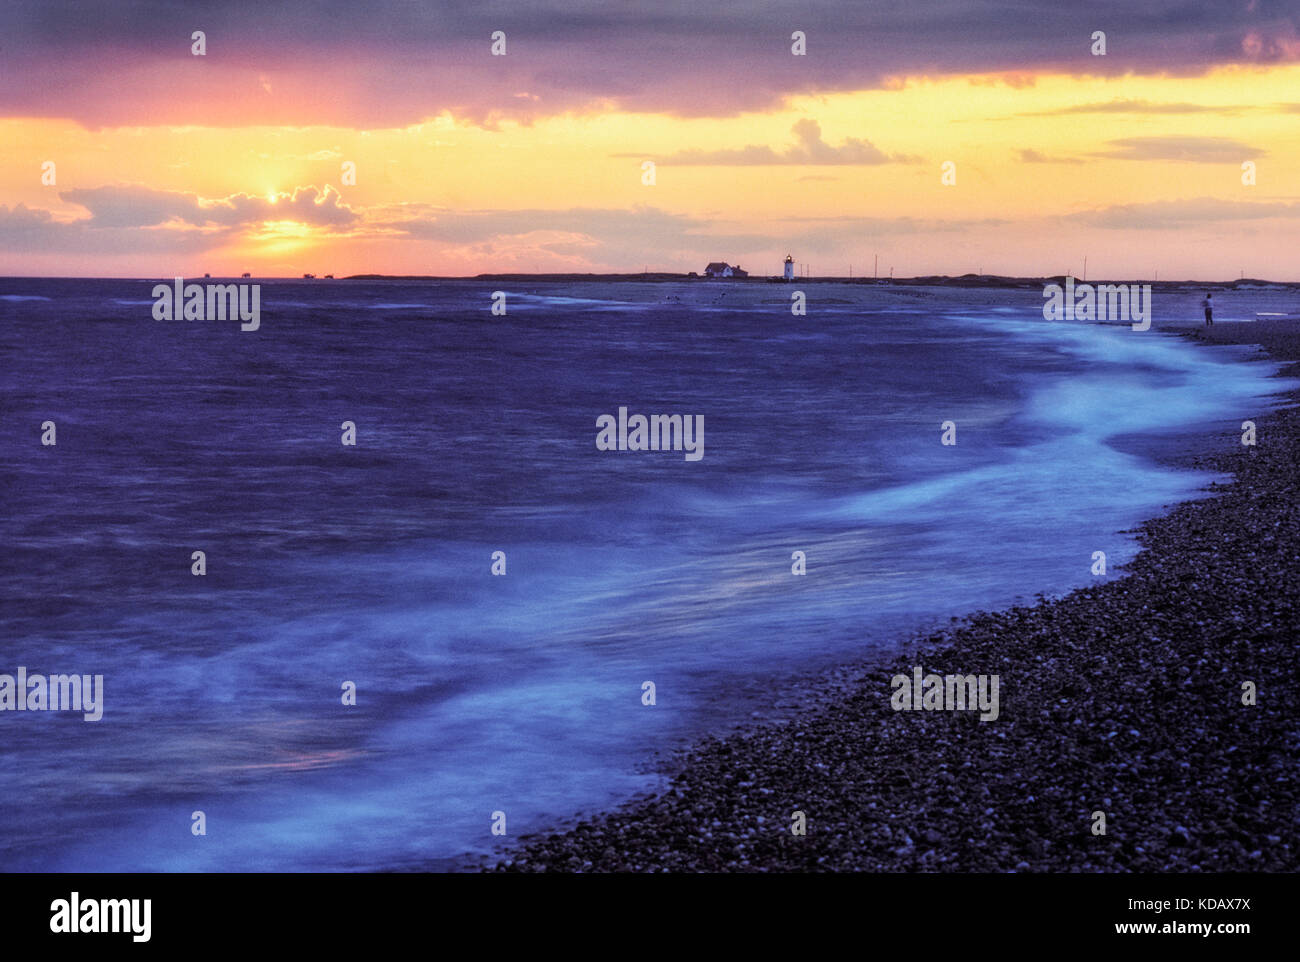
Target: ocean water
(476, 433)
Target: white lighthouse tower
(789, 267)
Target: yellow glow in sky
(1008, 212)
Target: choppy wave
(521, 693)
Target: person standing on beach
(1209, 310)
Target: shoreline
(1124, 698)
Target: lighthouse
(789, 267)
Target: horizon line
(659, 276)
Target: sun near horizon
(281, 155)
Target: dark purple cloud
(372, 65)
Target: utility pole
(875, 268)
(1085, 268)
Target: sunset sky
(169, 163)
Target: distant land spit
(939, 280)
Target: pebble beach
(1125, 700)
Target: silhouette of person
(1209, 309)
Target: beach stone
(1127, 700)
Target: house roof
(716, 266)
